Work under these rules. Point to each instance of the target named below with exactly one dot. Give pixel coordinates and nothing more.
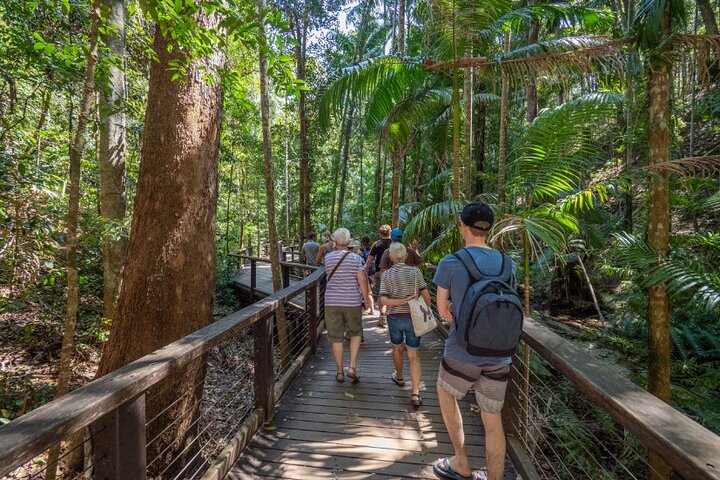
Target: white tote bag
(422, 316)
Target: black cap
(477, 215)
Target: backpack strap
(474, 270)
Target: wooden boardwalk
(263, 281)
(328, 430)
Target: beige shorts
(489, 382)
(341, 321)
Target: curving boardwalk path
(328, 430)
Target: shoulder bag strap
(336, 267)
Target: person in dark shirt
(413, 258)
(372, 266)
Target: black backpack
(491, 312)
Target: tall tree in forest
(708, 16)
(502, 147)
(654, 24)
(112, 151)
(76, 152)
(468, 130)
(169, 279)
(274, 250)
(531, 88)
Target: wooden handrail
(689, 448)
(34, 432)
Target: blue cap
(396, 234)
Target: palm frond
(433, 219)
(678, 275)
(690, 166)
(649, 21)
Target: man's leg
(494, 445)
(454, 424)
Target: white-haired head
(342, 237)
(398, 252)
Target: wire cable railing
(184, 411)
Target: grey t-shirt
(310, 251)
(451, 275)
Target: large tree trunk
(468, 126)
(274, 252)
(169, 279)
(708, 16)
(479, 124)
(531, 87)
(502, 147)
(112, 154)
(76, 151)
(659, 231)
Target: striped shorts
(489, 382)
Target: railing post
(512, 409)
(311, 307)
(119, 443)
(264, 379)
(285, 270)
(253, 278)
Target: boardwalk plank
(367, 430)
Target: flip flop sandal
(339, 377)
(416, 400)
(400, 382)
(444, 472)
(352, 373)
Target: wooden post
(264, 372)
(119, 443)
(311, 307)
(285, 275)
(253, 278)
(512, 409)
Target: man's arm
(363, 281)
(443, 303)
(369, 262)
(319, 256)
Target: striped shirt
(343, 289)
(401, 281)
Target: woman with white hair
(398, 285)
(345, 290)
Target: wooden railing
(638, 421)
(112, 408)
(288, 270)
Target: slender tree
(531, 87)
(708, 16)
(71, 225)
(502, 148)
(112, 151)
(274, 250)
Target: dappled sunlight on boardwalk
(325, 429)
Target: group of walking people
(397, 280)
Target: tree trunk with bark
(112, 154)
(531, 87)
(347, 133)
(274, 252)
(76, 152)
(502, 147)
(300, 28)
(395, 201)
(708, 16)
(168, 282)
(400, 28)
(659, 231)
(479, 126)
(468, 127)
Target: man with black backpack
(476, 291)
